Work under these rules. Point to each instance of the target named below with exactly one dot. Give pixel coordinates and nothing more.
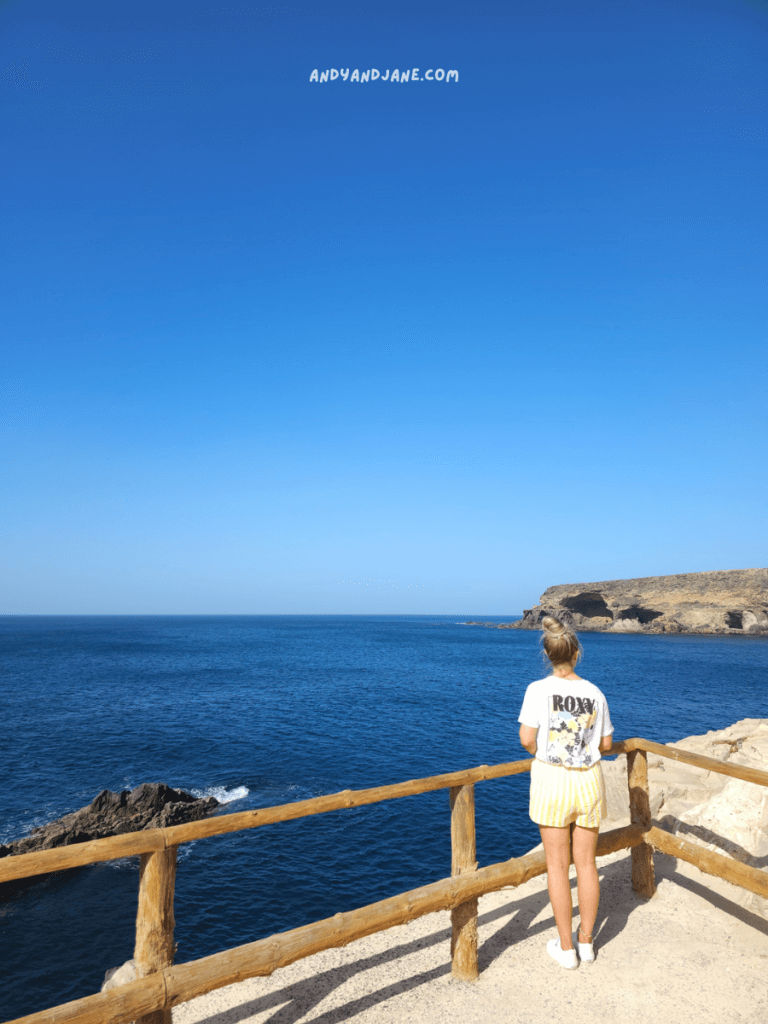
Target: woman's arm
(528, 738)
(606, 742)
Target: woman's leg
(588, 881)
(557, 848)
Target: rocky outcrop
(151, 805)
(117, 976)
(723, 814)
(733, 601)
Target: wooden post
(463, 861)
(154, 921)
(643, 880)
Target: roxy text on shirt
(581, 705)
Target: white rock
(626, 626)
(739, 812)
(723, 814)
(119, 975)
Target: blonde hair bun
(554, 626)
(560, 643)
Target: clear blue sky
(276, 346)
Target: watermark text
(373, 75)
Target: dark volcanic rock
(151, 805)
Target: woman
(565, 724)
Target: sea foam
(223, 795)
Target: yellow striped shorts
(560, 796)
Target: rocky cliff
(731, 601)
(725, 815)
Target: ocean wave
(223, 795)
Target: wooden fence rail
(187, 981)
(161, 986)
(132, 843)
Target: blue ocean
(263, 710)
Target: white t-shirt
(571, 716)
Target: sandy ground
(690, 955)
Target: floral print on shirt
(571, 723)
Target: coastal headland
(732, 601)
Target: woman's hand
(606, 742)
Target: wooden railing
(161, 986)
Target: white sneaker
(565, 957)
(586, 949)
